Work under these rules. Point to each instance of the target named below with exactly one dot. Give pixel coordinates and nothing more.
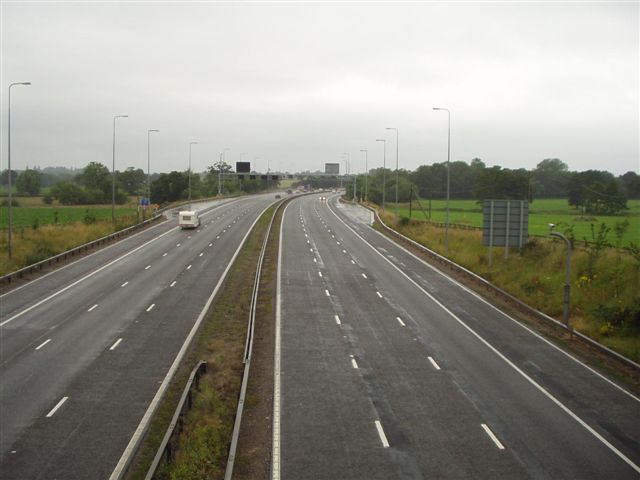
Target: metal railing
(36, 267)
(510, 299)
(167, 447)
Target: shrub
(47, 199)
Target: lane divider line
(521, 372)
(433, 362)
(354, 364)
(492, 437)
(43, 344)
(115, 345)
(151, 307)
(337, 319)
(379, 294)
(57, 407)
(400, 321)
(93, 308)
(172, 283)
(124, 284)
(383, 437)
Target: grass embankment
(41, 231)
(542, 212)
(203, 444)
(605, 300)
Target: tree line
(94, 184)
(593, 191)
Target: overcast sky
(300, 84)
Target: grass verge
(203, 444)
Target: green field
(541, 213)
(48, 215)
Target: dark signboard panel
(332, 168)
(243, 167)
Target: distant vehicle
(289, 192)
(188, 219)
(278, 195)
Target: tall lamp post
(149, 164)
(567, 281)
(190, 144)
(366, 176)
(113, 173)
(384, 169)
(446, 222)
(10, 243)
(397, 150)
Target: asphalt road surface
(386, 368)
(84, 349)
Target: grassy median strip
(203, 444)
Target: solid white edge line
(55, 409)
(82, 279)
(521, 325)
(151, 307)
(492, 437)
(621, 455)
(275, 439)
(337, 318)
(433, 362)
(43, 344)
(115, 345)
(400, 321)
(136, 438)
(383, 437)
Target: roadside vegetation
(605, 299)
(42, 232)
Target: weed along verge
(202, 447)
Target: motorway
(84, 349)
(387, 368)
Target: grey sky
(298, 84)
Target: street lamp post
(567, 281)
(113, 173)
(384, 169)
(190, 144)
(397, 150)
(149, 165)
(10, 242)
(446, 223)
(366, 177)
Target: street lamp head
(25, 83)
(380, 140)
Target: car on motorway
(188, 219)
(278, 196)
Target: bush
(618, 317)
(42, 250)
(89, 217)
(47, 199)
(14, 202)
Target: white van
(188, 219)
